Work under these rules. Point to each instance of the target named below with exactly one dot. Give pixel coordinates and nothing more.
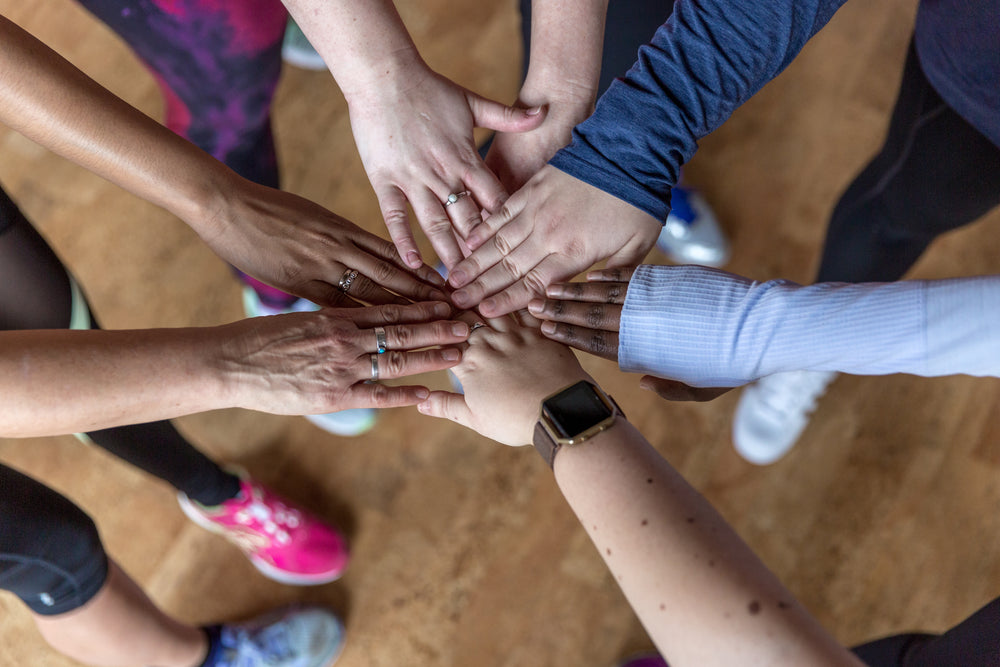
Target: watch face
(576, 409)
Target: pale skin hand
(310, 248)
(587, 316)
(548, 231)
(567, 38)
(413, 127)
(58, 381)
(281, 239)
(701, 593)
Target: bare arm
(56, 381)
(699, 590)
(564, 67)
(282, 239)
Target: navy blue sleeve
(706, 60)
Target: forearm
(711, 328)
(564, 63)
(364, 44)
(50, 101)
(700, 592)
(707, 60)
(56, 382)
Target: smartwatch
(571, 416)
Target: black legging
(43, 556)
(935, 173)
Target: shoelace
(793, 393)
(256, 647)
(271, 520)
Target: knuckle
(404, 337)
(614, 293)
(598, 344)
(595, 316)
(535, 282)
(509, 266)
(437, 226)
(395, 219)
(382, 272)
(502, 243)
(395, 363)
(380, 394)
(391, 312)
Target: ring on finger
(347, 279)
(374, 358)
(454, 197)
(380, 343)
(476, 325)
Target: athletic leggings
(217, 63)
(935, 173)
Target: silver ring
(455, 196)
(476, 325)
(374, 367)
(347, 279)
(380, 340)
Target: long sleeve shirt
(713, 55)
(709, 328)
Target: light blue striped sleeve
(709, 328)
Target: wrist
(572, 416)
(367, 81)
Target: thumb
(447, 405)
(502, 118)
(673, 390)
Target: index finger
(595, 292)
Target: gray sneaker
(290, 637)
(691, 232)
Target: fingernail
(461, 298)
(457, 278)
(554, 291)
(450, 354)
(533, 111)
(413, 260)
(422, 393)
(438, 295)
(548, 327)
(435, 278)
(442, 309)
(488, 305)
(423, 407)
(536, 305)
(460, 329)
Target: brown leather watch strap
(545, 445)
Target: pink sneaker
(286, 543)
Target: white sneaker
(343, 423)
(773, 412)
(691, 233)
(296, 49)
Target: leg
(975, 642)
(217, 64)
(52, 558)
(934, 173)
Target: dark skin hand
(588, 316)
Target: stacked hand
(550, 230)
(317, 362)
(588, 315)
(416, 143)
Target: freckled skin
(754, 608)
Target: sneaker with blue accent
(290, 637)
(344, 423)
(691, 233)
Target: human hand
(506, 371)
(416, 144)
(318, 362)
(550, 230)
(300, 247)
(587, 316)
